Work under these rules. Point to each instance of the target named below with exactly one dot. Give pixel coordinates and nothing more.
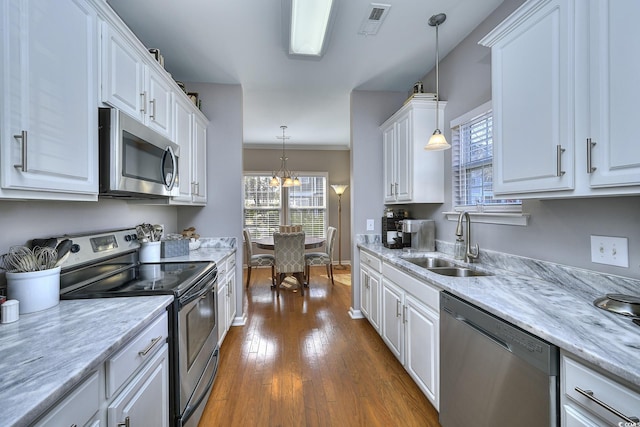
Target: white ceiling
(241, 42)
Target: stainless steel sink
(429, 262)
(458, 271)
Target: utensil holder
(150, 252)
(35, 290)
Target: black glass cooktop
(143, 279)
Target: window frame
(510, 214)
(285, 208)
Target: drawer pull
(589, 395)
(559, 151)
(149, 347)
(125, 423)
(590, 145)
(23, 137)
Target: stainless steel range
(105, 264)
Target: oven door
(197, 342)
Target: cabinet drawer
(125, 362)
(78, 407)
(600, 387)
(424, 292)
(371, 261)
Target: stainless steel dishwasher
(493, 373)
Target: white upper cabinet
(133, 82)
(48, 116)
(615, 91)
(199, 159)
(411, 174)
(562, 79)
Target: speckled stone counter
(44, 354)
(551, 301)
(211, 249)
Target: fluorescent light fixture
(309, 26)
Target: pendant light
(284, 175)
(437, 142)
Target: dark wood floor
(302, 361)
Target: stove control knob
(75, 248)
(134, 237)
(127, 238)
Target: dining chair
(290, 228)
(257, 260)
(322, 258)
(289, 254)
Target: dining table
(309, 242)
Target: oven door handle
(209, 285)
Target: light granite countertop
(551, 301)
(45, 354)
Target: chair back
(331, 238)
(248, 249)
(290, 228)
(289, 252)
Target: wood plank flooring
(302, 361)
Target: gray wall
(334, 162)
(559, 230)
(368, 111)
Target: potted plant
(33, 277)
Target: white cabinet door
(123, 74)
(423, 347)
(183, 136)
(160, 102)
(532, 86)
(200, 160)
(404, 160)
(392, 325)
(145, 400)
(615, 91)
(365, 293)
(389, 158)
(222, 311)
(231, 290)
(48, 119)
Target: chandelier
(284, 175)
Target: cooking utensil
(63, 249)
(627, 305)
(23, 259)
(44, 243)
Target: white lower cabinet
(370, 280)
(411, 327)
(590, 398)
(226, 295)
(145, 400)
(131, 388)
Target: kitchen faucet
(468, 256)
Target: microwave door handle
(169, 152)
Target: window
(265, 207)
(472, 164)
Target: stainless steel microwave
(135, 161)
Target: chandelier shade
(284, 176)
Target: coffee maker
(392, 233)
(419, 235)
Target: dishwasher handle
(484, 332)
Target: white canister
(36, 290)
(150, 252)
(10, 311)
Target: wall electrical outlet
(610, 250)
(370, 225)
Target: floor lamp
(339, 189)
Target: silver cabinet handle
(396, 192)
(559, 151)
(589, 395)
(590, 145)
(391, 186)
(149, 347)
(198, 188)
(153, 109)
(124, 424)
(143, 103)
(397, 308)
(404, 314)
(23, 137)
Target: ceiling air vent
(375, 16)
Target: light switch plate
(610, 250)
(370, 225)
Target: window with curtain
(472, 164)
(265, 207)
